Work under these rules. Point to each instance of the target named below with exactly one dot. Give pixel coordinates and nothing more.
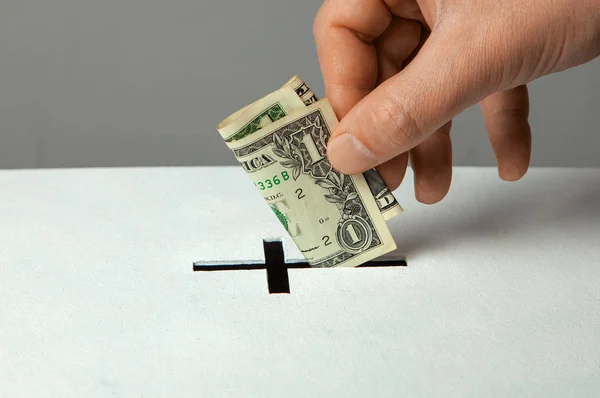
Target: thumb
(446, 77)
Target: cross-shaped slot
(277, 269)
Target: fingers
(432, 164)
(445, 78)
(395, 45)
(506, 116)
(393, 171)
(409, 9)
(344, 32)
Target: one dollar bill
(278, 105)
(280, 141)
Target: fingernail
(350, 156)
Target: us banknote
(273, 107)
(280, 141)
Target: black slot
(277, 273)
(278, 281)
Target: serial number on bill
(271, 182)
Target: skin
(397, 72)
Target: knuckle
(325, 17)
(321, 19)
(318, 23)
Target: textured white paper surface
(501, 296)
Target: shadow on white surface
(491, 211)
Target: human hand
(397, 71)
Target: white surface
(501, 296)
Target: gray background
(144, 83)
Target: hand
(397, 71)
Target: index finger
(344, 32)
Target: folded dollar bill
(280, 141)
